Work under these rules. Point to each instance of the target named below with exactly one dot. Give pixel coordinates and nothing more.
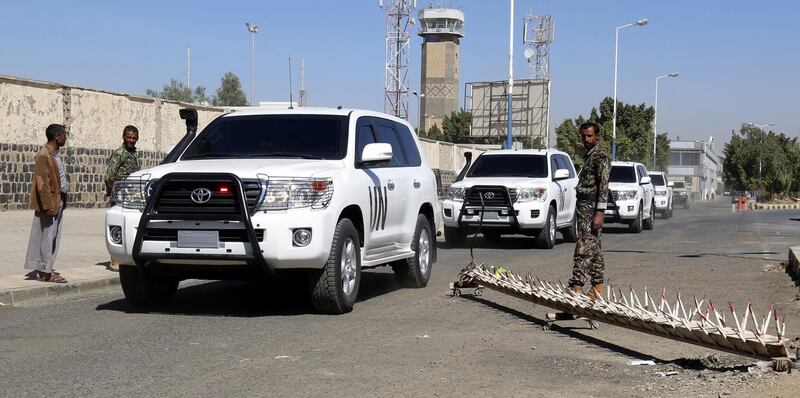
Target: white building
(697, 164)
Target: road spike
(646, 303)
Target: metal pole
(509, 140)
(614, 119)
(655, 125)
(253, 69)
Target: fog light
(115, 233)
(470, 212)
(448, 213)
(630, 208)
(301, 237)
(504, 212)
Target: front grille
(176, 197)
(225, 235)
(498, 196)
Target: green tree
(434, 133)
(177, 91)
(759, 160)
(230, 92)
(455, 128)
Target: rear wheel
(454, 237)
(636, 225)
(143, 289)
(686, 204)
(547, 236)
(651, 221)
(416, 271)
(334, 289)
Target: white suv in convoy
(633, 195)
(663, 195)
(529, 192)
(325, 191)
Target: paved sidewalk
(82, 257)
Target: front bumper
(662, 203)
(529, 215)
(623, 210)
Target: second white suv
(663, 195)
(315, 192)
(633, 196)
(530, 192)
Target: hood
(247, 168)
(623, 186)
(504, 181)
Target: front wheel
(334, 289)
(143, 289)
(636, 225)
(416, 271)
(547, 236)
(650, 222)
(571, 233)
(686, 204)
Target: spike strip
(662, 319)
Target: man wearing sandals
(122, 162)
(48, 198)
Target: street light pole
(655, 117)
(640, 22)
(253, 29)
(419, 104)
(509, 140)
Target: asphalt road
(261, 339)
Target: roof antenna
(290, 83)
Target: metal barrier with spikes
(702, 325)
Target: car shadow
(269, 297)
(509, 242)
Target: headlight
(131, 193)
(295, 193)
(456, 194)
(661, 193)
(626, 195)
(531, 194)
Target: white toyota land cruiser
(663, 195)
(328, 191)
(529, 192)
(633, 193)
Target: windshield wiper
(211, 155)
(284, 155)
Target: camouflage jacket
(121, 163)
(593, 178)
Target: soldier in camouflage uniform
(592, 195)
(122, 162)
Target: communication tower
(398, 42)
(537, 35)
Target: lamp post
(509, 140)
(655, 117)
(761, 147)
(640, 22)
(253, 29)
(419, 101)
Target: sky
(738, 60)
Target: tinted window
(679, 184)
(387, 135)
(409, 145)
(272, 136)
(531, 166)
(657, 179)
(642, 171)
(553, 166)
(364, 136)
(622, 174)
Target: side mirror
(376, 153)
(645, 181)
(670, 184)
(561, 174)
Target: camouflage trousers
(588, 256)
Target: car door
(648, 189)
(398, 186)
(567, 186)
(419, 183)
(374, 178)
(559, 192)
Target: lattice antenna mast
(398, 45)
(537, 35)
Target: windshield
(531, 166)
(622, 174)
(272, 136)
(657, 180)
(679, 184)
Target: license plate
(198, 239)
(490, 215)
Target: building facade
(697, 164)
(441, 30)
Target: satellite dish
(528, 53)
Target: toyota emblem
(201, 195)
(488, 195)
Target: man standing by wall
(48, 198)
(122, 162)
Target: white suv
(663, 195)
(529, 192)
(633, 195)
(326, 191)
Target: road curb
(793, 267)
(776, 206)
(16, 296)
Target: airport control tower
(441, 30)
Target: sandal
(53, 277)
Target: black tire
(142, 289)
(416, 271)
(570, 233)
(454, 236)
(651, 222)
(491, 236)
(327, 286)
(636, 225)
(686, 204)
(547, 236)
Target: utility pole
(253, 29)
(509, 139)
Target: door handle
(417, 184)
(390, 185)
